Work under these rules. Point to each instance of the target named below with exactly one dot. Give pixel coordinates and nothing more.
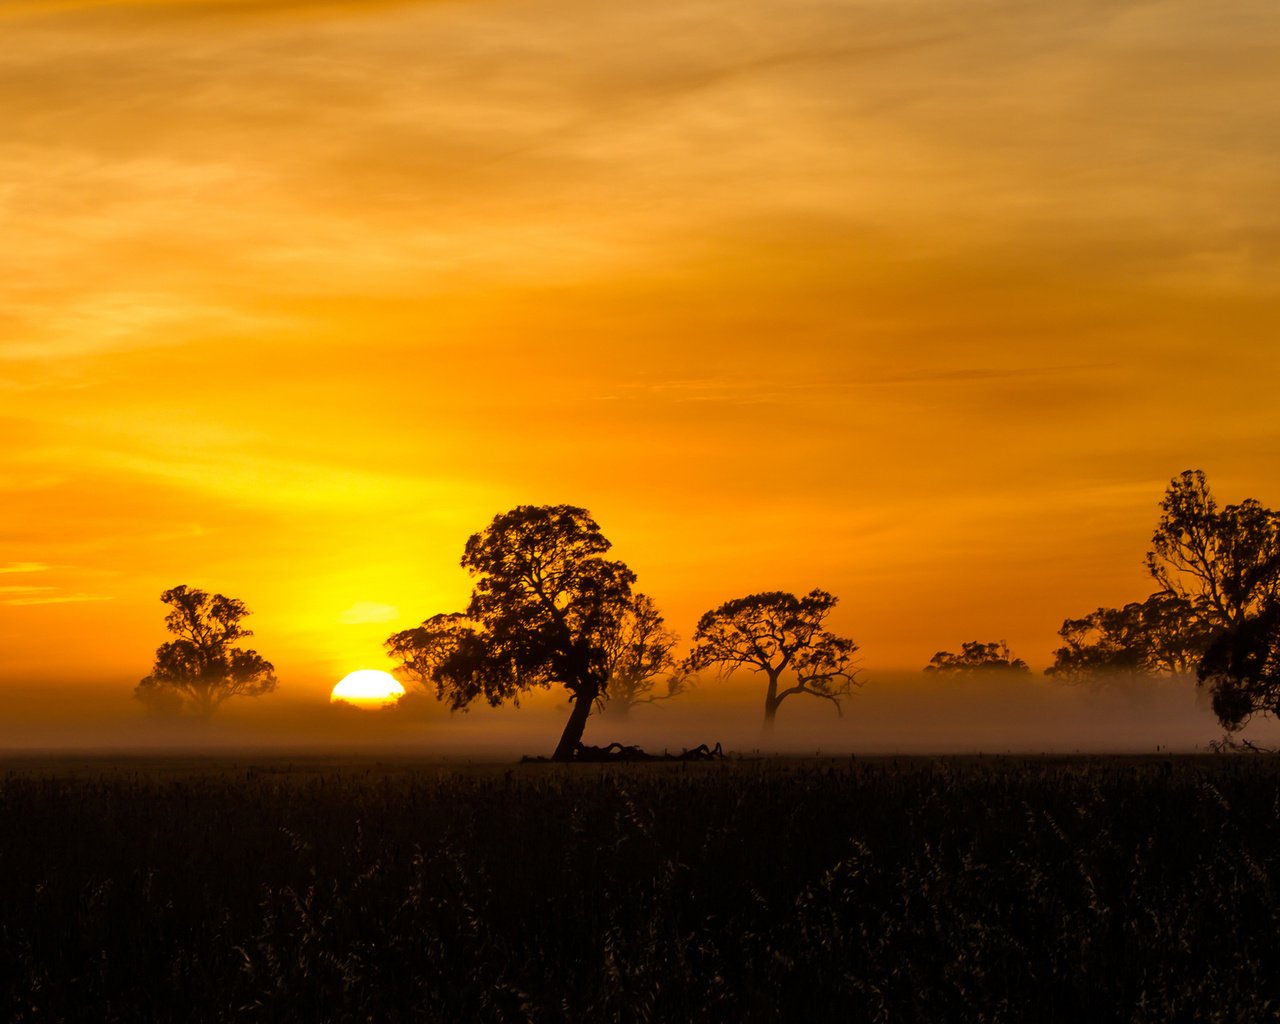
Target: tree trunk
(771, 703)
(576, 726)
(203, 706)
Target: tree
(774, 633)
(1106, 642)
(544, 609)
(1176, 638)
(639, 655)
(976, 656)
(1224, 562)
(1241, 669)
(1158, 636)
(203, 667)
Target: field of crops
(885, 890)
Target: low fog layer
(894, 712)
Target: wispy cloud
(85, 324)
(978, 375)
(23, 567)
(59, 599)
(187, 10)
(742, 391)
(363, 612)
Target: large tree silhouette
(640, 657)
(545, 606)
(778, 633)
(976, 656)
(203, 667)
(1225, 562)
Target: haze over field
(922, 304)
(897, 712)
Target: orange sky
(919, 303)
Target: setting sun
(367, 687)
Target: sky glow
(919, 303)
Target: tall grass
(916, 890)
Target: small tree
(545, 607)
(640, 656)
(1224, 562)
(1158, 636)
(777, 633)
(976, 656)
(203, 667)
(1241, 669)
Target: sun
(367, 687)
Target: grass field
(1013, 889)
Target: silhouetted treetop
(1159, 636)
(544, 609)
(544, 592)
(775, 633)
(1224, 561)
(976, 656)
(201, 666)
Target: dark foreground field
(889, 890)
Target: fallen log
(619, 752)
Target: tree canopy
(1225, 562)
(976, 656)
(203, 667)
(1159, 636)
(544, 609)
(777, 633)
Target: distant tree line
(976, 656)
(550, 608)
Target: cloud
(978, 375)
(738, 390)
(24, 567)
(62, 599)
(368, 612)
(186, 10)
(89, 323)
